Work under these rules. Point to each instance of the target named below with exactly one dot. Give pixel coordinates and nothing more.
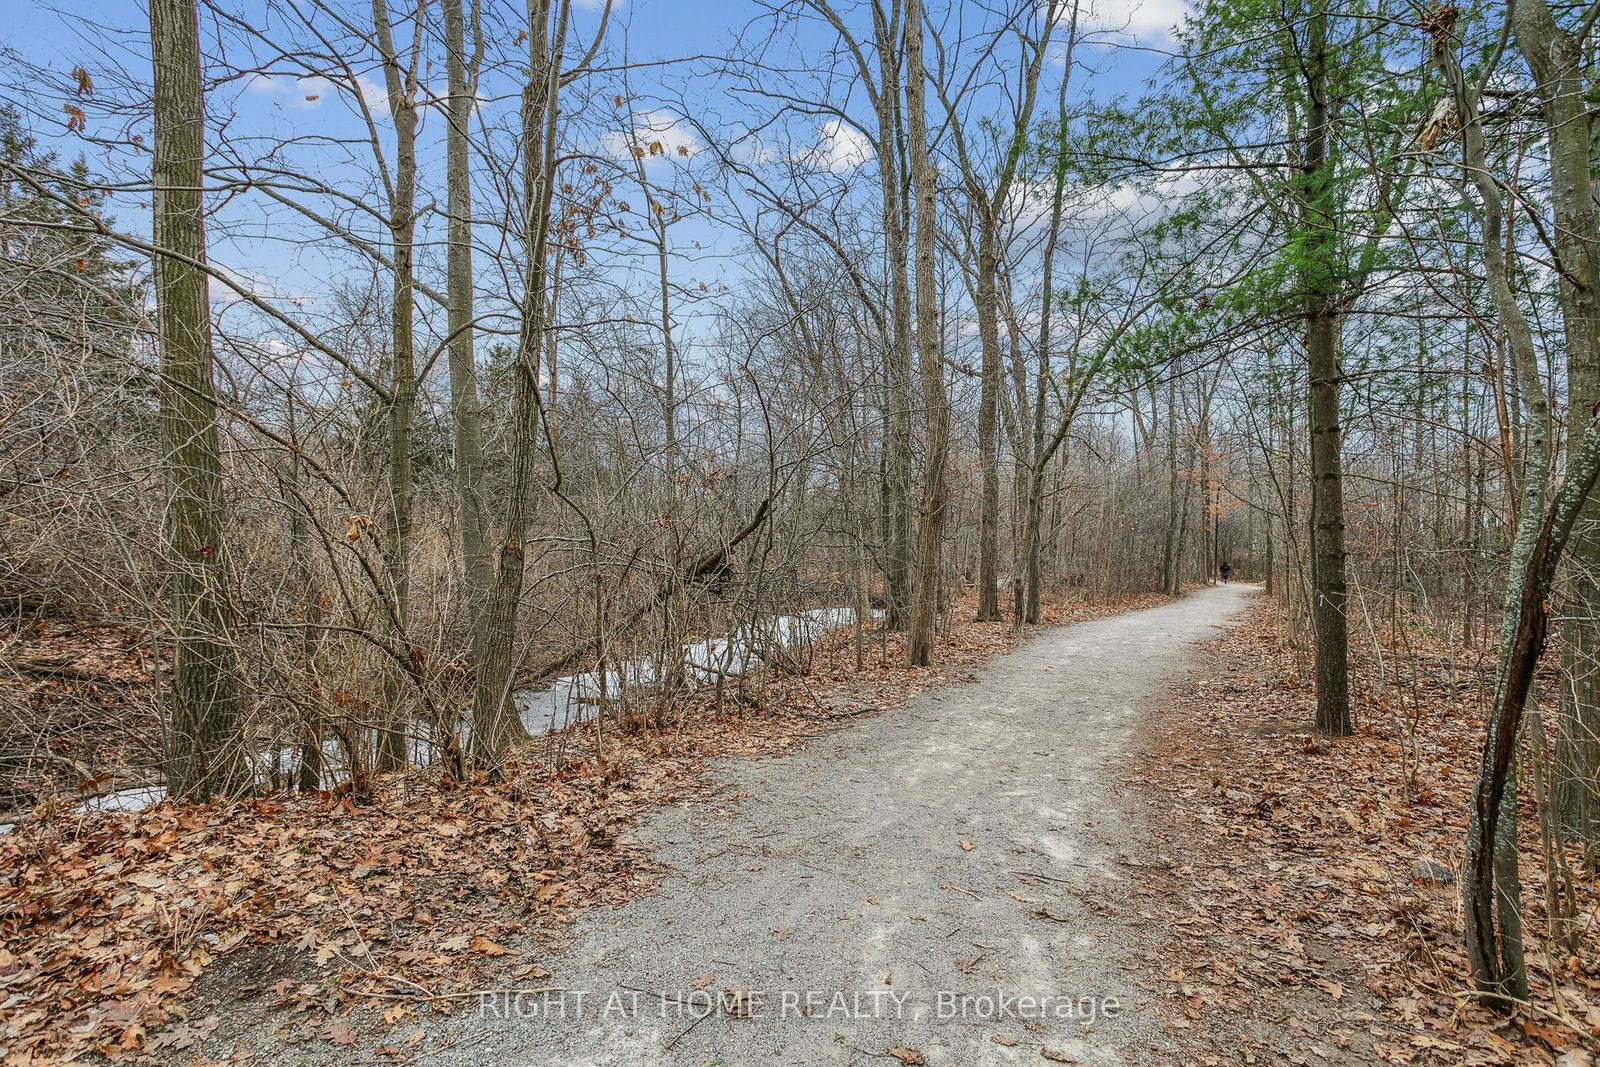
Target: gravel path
(888, 887)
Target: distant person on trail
(1227, 571)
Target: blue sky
(317, 125)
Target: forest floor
(307, 922)
(1309, 886)
(1113, 842)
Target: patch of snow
(574, 698)
(135, 799)
(567, 700)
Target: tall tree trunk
(398, 83)
(495, 723)
(304, 588)
(1210, 553)
(204, 754)
(930, 532)
(1319, 279)
(466, 409)
(1270, 563)
(1042, 453)
(1171, 547)
(988, 418)
(1490, 885)
(1181, 538)
(674, 609)
(989, 207)
(1556, 60)
(897, 363)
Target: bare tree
(466, 416)
(989, 197)
(401, 87)
(930, 357)
(495, 723)
(204, 753)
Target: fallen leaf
(1555, 1035)
(484, 947)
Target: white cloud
(750, 149)
(1144, 203)
(311, 92)
(657, 137)
(374, 94)
(840, 148)
(234, 280)
(306, 94)
(1100, 205)
(277, 346)
(1147, 20)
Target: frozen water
(136, 799)
(567, 700)
(573, 698)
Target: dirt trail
(961, 844)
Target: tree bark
(204, 753)
(1556, 59)
(466, 408)
(930, 532)
(304, 588)
(897, 364)
(401, 90)
(1171, 547)
(988, 206)
(1490, 889)
(1042, 452)
(1319, 279)
(495, 723)
(988, 418)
